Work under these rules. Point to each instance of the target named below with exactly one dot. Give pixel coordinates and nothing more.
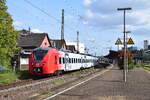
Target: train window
(66, 60)
(69, 60)
(59, 60)
(39, 55)
(63, 60)
(74, 60)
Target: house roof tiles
(27, 39)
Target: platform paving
(110, 86)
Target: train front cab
(42, 62)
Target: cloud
(110, 6)
(91, 39)
(17, 23)
(89, 14)
(87, 2)
(103, 14)
(36, 31)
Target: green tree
(8, 36)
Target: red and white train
(47, 60)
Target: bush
(131, 66)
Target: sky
(98, 21)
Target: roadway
(110, 86)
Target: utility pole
(125, 43)
(77, 41)
(62, 25)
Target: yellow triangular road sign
(130, 41)
(118, 42)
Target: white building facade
(81, 46)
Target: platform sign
(130, 41)
(118, 42)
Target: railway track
(30, 83)
(29, 88)
(26, 83)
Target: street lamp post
(125, 44)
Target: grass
(8, 77)
(146, 66)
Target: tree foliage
(8, 35)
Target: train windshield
(39, 54)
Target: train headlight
(37, 70)
(34, 69)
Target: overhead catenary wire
(53, 17)
(78, 16)
(71, 29)
(46, 13)
(59, 21)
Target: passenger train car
(102, 61)
(47, 60)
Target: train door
(85, 62)
(66, 62)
